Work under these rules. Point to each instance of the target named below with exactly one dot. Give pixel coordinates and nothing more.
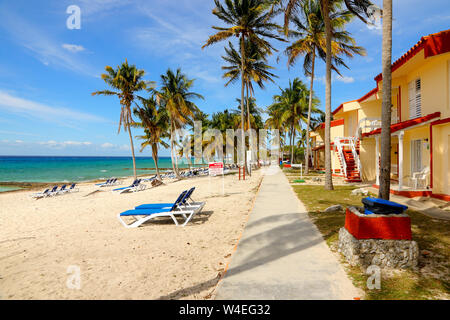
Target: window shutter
(415, 99)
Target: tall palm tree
(156, 124)
(126, 80)
(359, 9)
(256, 69)
(385, 166)
(176, 99)
(293, 101)
(310, 35)
(247, 19)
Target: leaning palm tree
(156, 124)
(176, 99)
(126, 80)
(247, 19)
(310, 41)
(359, 9)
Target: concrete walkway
(281, 254)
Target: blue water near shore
(74, 169)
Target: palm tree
(293, 103)
(126, 80)
(385, 167)
(310, 35)
(359, 9)
(256, 69)
(176, 99)
(247, 19)
(156, 124)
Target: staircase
(348, 153)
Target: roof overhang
(408, 124)
(432, 45)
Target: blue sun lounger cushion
(163, 205)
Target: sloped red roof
(367, 95)
(434, 44)
(405, 124)
(334, 123)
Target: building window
(416, 156)
(415, 99)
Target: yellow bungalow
(420, 161)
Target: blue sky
(47, 72)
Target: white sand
(40, 239)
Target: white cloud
(55, 144)
(345, 79)
(107, 145)
(45, 49)
(36, 110)
(73, 47)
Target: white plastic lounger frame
(186, 214)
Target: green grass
(430, 281)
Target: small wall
(385, 253)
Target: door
(416, 156)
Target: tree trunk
(172, 151)
(308, 147)
(292, 144)
(249, 127)
(132, 151)
(155, 159)
(244, 156)
(385, 166)
(328, 174)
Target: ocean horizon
(47, 169)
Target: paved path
(281, 254)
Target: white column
(400, 160)
(377, 159)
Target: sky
(48, 71)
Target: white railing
(339, 145)
(351, 142)
(367, 125)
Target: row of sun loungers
(55, 192)
(109, 183)
(184, 206)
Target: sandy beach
(41, 239)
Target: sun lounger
(181, 207)
(104, 183)
(41, 194)
(62, 190)
(72, 188)
(53, 192)
(134, 187)
(144, 215)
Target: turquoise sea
(74, 169)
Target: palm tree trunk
(292, 144)
(249, 126)
(132, 151)
(328, 174)
(155, 159)
(242, 101)
(385, 166)
(308, 147)
(171, 150)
